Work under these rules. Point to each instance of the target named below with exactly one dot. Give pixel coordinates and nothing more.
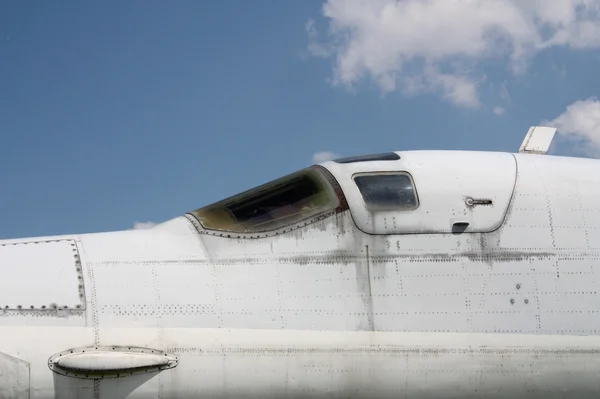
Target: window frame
(321, 174)
(387, 173)
(378, 157)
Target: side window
(387, 191)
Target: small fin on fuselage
(538, 140)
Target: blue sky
(116, 112)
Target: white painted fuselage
(486, 288)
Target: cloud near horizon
(143, 225)
(439, 46)
(324, 156)
(580, 123)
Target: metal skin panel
(445, 181)
(327, 310)
(45, 275)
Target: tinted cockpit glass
(387, 191)
(279, 203)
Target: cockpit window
(387, 192)
(282, 202)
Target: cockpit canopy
(282, 202)
(432, 192)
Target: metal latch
(477, 201)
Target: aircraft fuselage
(478, 280)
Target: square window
(387, 192)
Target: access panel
(41, 276)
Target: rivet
(512, 301)
(518, 286)
(526, 301)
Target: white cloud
(499, 110)
(438, 45)
(143, 225)
(580, 122)
(324, 156)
